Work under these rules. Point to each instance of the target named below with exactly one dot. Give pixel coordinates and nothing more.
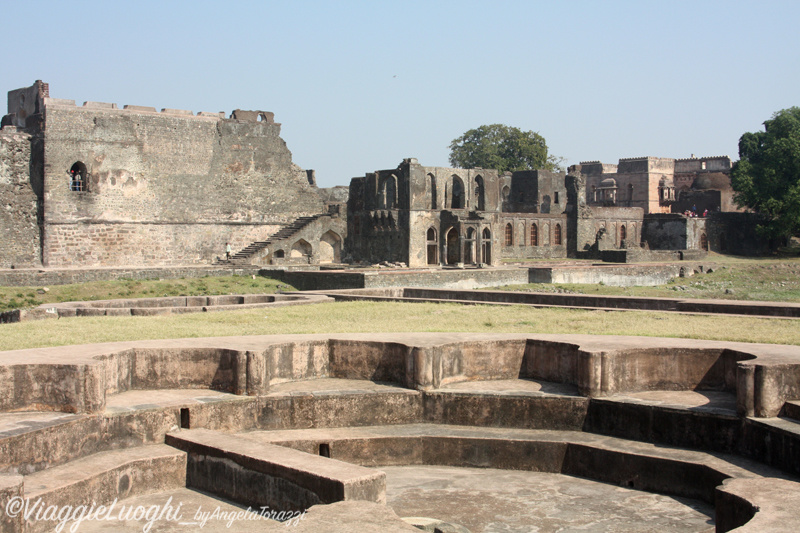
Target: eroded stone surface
(488, 500)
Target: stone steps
(104, 477)
(284, 233)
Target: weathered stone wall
(674, 232)
(665, 232)
(536, 191)
(146, 244)
(533, 235)
(18, 202)
(152, 176)
(735, 233)
(617, 227)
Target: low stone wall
(763, 377)
(588, 301)
(617, 275)
(467, 278)
(42, 278)
(259, 474)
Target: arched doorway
(534, 235)
(453, 247)
(469, 246)
(557, 235)
(703, 242)
(330, 248)
(486, 246)
(433, 247)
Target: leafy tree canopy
(502, 147)
(767, 176)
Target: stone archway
(330, 248)
(301, 250)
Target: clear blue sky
(358, 86)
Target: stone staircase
(243, 256)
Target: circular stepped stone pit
(258, 392)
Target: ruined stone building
(432, 216)
(661, 185)
(96, 185)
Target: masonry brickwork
(19, 205)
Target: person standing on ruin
(227, 251)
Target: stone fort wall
(164, 188)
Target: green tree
(502, 147)
(767, 176)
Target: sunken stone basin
(361, 428)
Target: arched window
(623, 233)
(703, 242)
(534, 235)
(457, 201)
(78, 177)
(433, 247)
(509, 235)
(389, 191)
(480, 200)
(434, 204)
(557, 235)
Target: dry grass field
(352, 317)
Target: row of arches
(330, 249)
(476, 247)
(624, 233)
(535, 237)
(456, 195)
